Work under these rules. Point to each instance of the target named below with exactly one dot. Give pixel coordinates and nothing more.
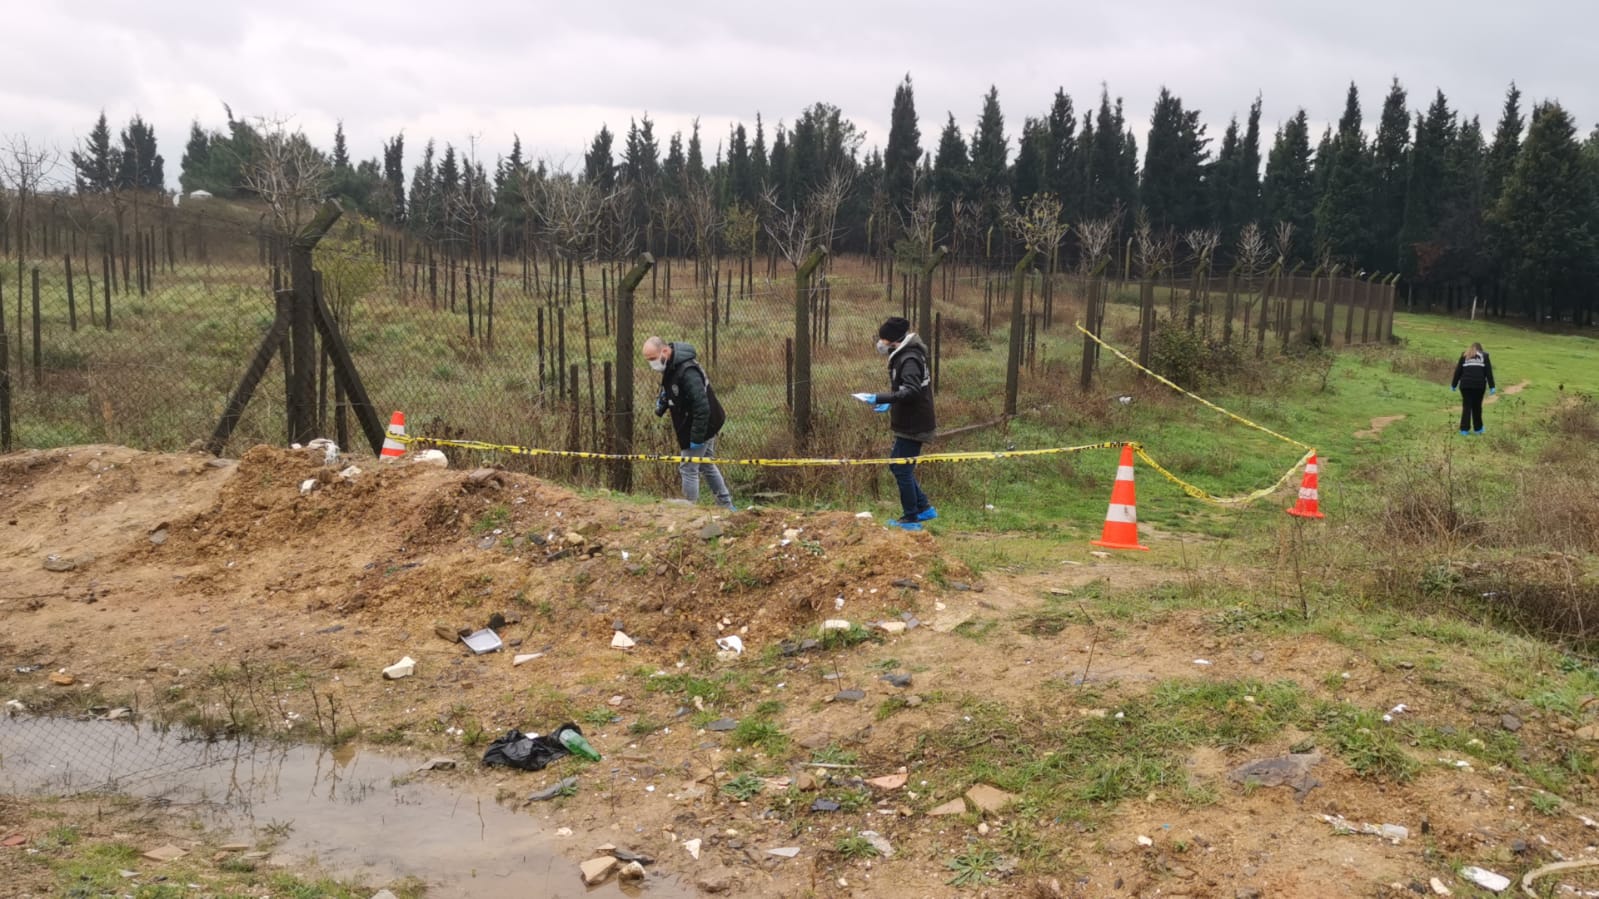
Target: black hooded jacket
(696, 415)
(1473, 373)
(910, 405)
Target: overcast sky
(553, 73)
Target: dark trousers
(911, 498)
(1471, 408)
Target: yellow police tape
(1199, 399)
(1192, 490)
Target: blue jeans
(911, 498)
(692, 472)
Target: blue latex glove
(880, 407)
(1492, 390)
(695, 447)
(1452, 389)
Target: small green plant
(760, 732)
(494, 517)
(1545, 803)
(856, 847)
(279, 829)
(643, 727)
(473, 734)
(744, 787)
(855, 635)
(974, 867)
(833, 754)
(597, 717)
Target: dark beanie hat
(894, 330)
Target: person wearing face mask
(697, 417)
(909, 405)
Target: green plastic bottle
(575, 744)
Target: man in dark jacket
(910, 415)
(1473, 374)
(696, 415)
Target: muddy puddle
(359, 814)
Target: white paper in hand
(865, 397)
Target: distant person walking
(909, 404)
(697, 417)
(1474, 374)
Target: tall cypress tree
(195, 163)
(951, 172)
(740, 168)
(1222, 182)
(904, 149)
(141, 167)
(394, 174)
(758, 160)
(95, 165)
(1288, 193)
(1425, 192)
(1342, 212)
(1390, 181)
(1033, 152)
(341, 151)
(696, 156)
(1102, 167)
(990, 176)
(1547, 215)
(782, 173)
(1506, 144)
(1460, 229)
(674, 168)
(599, 167)
(1247, 203)
(1172, 192)
(422, 212)
(1063, 171)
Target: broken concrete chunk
(835, 624)
(632, 871)
(1291, 770)
(889, 781)
(165, 853)
(952, 807)
(989, 799)
(405, 667)
(595, 870)
(437, 765)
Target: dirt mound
(415, 545)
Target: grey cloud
(552, 72)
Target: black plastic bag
(518, 750)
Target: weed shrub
(1186, 358)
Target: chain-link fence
(140, 335)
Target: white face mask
(658, 364)
(884, 348)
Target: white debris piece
(620, 640)
(403, 668)
(1486, 879)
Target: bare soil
(218, 591)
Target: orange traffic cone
(393, 449)
(1121, 519)
(1309, 498)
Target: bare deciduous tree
(287, 173)
(1202, 243)
(826, 200)
(1283, 240)
(1251, 250)
(1038, 224)
(1094, 236)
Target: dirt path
(1378, 424)
(1512, 390)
